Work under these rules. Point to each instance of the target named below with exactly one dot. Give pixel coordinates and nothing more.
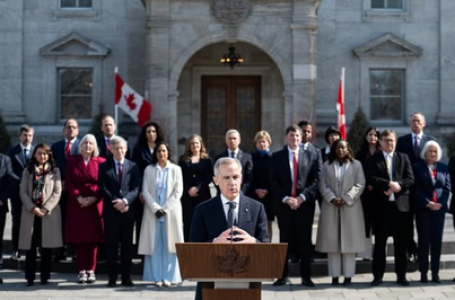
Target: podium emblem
(232, 262)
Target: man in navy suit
(391, 176)
(61, 150)
(412, 144)
(211, 218)
(233, 141)
(19, 156)
(295, 177)
(8, 180)
(108, 127)
(119, 182)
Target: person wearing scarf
(40, 191)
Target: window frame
(370, 14)
(77, 7)
(386, 8)
(59, 72)
(402, 96)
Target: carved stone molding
(231, 11)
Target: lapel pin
(246, 209)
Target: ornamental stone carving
(231, 11)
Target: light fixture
(231, 58)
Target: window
(76, 90)
(386, 94)
(387, 4)
(76, 3)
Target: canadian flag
(138, 108)
(340, 107)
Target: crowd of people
(88, 198)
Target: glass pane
(246, 115)
(378, 3)
(386, 82)
(395, 4)
(76, 107)
(76, 81)
(216, 120)
(85, 3)
(386, 108)
(68, 3)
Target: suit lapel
(243, 212)
(218, 212)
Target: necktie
(232, 154)
(231, 211)
(416, 146)
(25, 155)
(68, 149)
(120, 172)
(295, 170)
(108, 144)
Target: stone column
(11, 60)
(303, 34)
(446, 111)
(158, 26)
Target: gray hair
(117, 140)
(90, 136)
(232, 131)
(225, 161)
(425, 149)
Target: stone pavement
(64, 286)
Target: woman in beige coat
(40, 191)
(162, 221)
(341, 229)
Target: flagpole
(115, 105)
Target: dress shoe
(166, 284)
(91, 278)
(111, 283)
(376, 281)
(435, 278)
(335, 281)
(44, 281)
(423, 278)
(82, 278)
(413, 258)
(306, 281)
(16, 255)
(30, 282)
(281, 281)
(403, 282)
(347, 281)
(1, 280)
(127, 282)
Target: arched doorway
(214, 98)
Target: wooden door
(230, 102)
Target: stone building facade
(58, 58)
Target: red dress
(83, 225)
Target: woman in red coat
(84, 223)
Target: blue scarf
(262, 153)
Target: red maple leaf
(130, 101)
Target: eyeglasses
(70, 127)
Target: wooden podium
(231, 271)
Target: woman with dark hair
(84, 203)
(431, 189)
(162, 224)
(260, 186)
(150, 135)
(331, 135)
(40, 190)
(197, 174)
(341, 230)
(369, 147)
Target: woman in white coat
(341, 229)
(162, 223)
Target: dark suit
(142, 157)
(452, 176)
(390, 217)
(298, 223)
(18, 164)
(102, 148)
(430, 224)
(209, 221)
(59, 152)
(8, 183)
(247, 167)
(405, 145)
(118, 226)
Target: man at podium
(230, 217)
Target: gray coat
(341, 230)
(51, 226)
